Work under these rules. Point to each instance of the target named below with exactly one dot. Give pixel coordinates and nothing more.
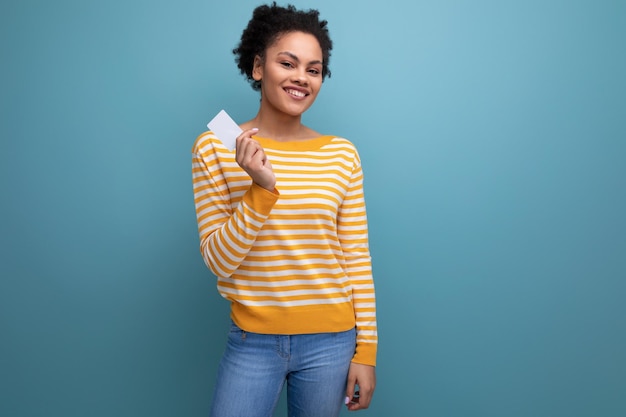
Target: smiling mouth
(295, 93)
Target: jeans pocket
(236, 333)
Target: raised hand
(251, 157)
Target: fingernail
(255, 129)
(347, 400)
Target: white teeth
(296, 93)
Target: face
(291, 73)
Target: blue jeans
(255, 366)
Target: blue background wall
(493, 137)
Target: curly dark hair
(267, 24)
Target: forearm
(227, 238)
(364, 300)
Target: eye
(286, 64)
(314, 71)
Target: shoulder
(341, 141)
(341, 144)
(207, 143)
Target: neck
(278, 126)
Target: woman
(283, 226)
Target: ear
(257, 68)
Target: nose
(300, 77)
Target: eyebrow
(295, 58)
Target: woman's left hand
(365, 377)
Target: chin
(296, 111)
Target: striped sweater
(295, 260)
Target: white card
(225, 129)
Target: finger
(357, 406)
(242, 142)
(250, 148)
(246, 150)
(352, 398)
(367, 393)
(246, 134)
(256, 156)
(362, 399)
(350, 385)
(365, 398)
(352, 406)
